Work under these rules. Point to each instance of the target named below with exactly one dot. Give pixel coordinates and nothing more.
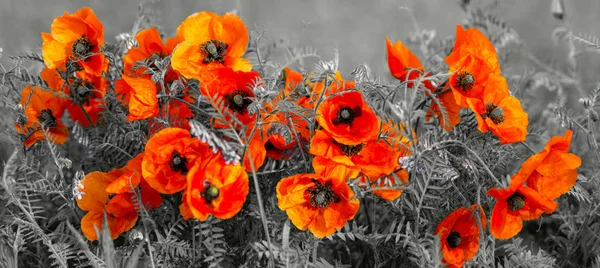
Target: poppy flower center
(238, 101)
(516, 201)
(210, 192)
(350, 150)
(214, 51)
(465, 81)
(82, 48)
(346, 115)
(178, 163)
(453, 239)
(46, 118)
(495, 113)
(322, 195)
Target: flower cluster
(201, 73)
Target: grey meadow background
(357, 28)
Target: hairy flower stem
(529, 147)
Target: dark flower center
(214, 51)
(322, 195)
(350, 150)
(453, 239)
(495, 113)
(82, 48)
(238, 101)
(178, 163)
(465, 81)
(210, 192)
(46, 118)
(346, 115)
(516, 201)
(269, 146)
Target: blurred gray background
(357, 28)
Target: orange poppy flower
(75, 37)
(95, 199)
(317, 203)
(516, 204)
(235, 90)
(42, 108)
(210, 42)
(334, 159)
(348, 118)
(472, 61)
(85, 90)
(169, 155)
(459, 235)
(257, 151)
(553, 171)
(150, 47)
(128, 179)
(216, 189)
(446, 99)
(401, 60)
(143, 103)
(296, 87)
(500, 112)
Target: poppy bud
(558, 9)
(593, 115)
(586, 102)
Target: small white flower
(78, 185)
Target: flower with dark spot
(459, 235)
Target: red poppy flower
(85, 91)
(77, 37)
(459, 235)
(472, 61)
(516, 204)
(169, 155)
(95, 199)
(210, 42)
(235, 89)
(216, 189)
(401, 60)
(348, 118)
(150, 47)
(553, 171)
(333, 159)
(500, 112)
(317, 203)
(43, 109)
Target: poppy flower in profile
(459, 235)
(77, 37)
(217, 189)
(256, 151)
(169, 156)
(472, 61)
(553, 171)
(317, 203)
(500, 112)
(143, 103)
(150, 48)
(235, 89)
(348, 118)
(210, 42)
(401, 62)
(85, 91)
(516, 204)
(43, 109)
(333, 159)
(452, 109)
(296, 87)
